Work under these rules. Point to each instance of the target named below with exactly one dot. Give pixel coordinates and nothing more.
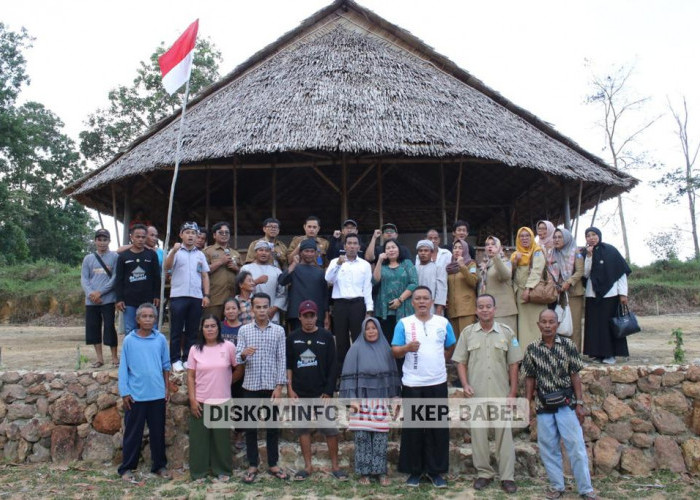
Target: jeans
(130, 319)
(563, 425)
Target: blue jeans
(129, 319)
(563, 425)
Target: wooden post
(379, 195)
(127, 211)
(459, 190)
(578, 208)
(114, 215)
(443, 205)
(595, 211)
(344, 188)
(235, 205)
(274, 188)
(99, 217)
(207, 197)
(567, 208)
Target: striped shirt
(266, 368)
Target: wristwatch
(578, 402)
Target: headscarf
(488, 262)
(547, 242)
(563, 260)
(453, 267)
(526, 253)
(607, 265)
(370, 369)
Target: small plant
(82, 360)
(678, 351)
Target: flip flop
(301, 475)
(364, 481)
(340, 475)
(384, 481)
(279, 474)
(97, 364)
(250, 476)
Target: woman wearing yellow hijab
(528, 264)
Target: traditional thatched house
(350, 115)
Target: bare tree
(684, 180)
(611, 92)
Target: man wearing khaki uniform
(487, 357)
(223, 268)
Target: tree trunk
(693, 222)
(623, 226)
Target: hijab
(483, 270)
(369, 370)
(565, 258)
(453, 267)
(526, 253)
(607, 265)
(548, 241)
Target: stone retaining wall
(639, 419)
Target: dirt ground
(34, 347)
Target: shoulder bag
(624, 323)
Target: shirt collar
(495, 328)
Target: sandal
(250, 476)
(554, 493)
(364, 481)
(97, 364)
(223, 478)
(384, 480)
(129, 477)
(302, 475)
(278, 473)
(340, 475)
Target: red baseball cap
(308, 306)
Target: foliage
(36, 162)
(678, 351)
(684, 181)
(134, 108)
(664, 244)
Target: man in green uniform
(487, 357)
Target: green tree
(36, 162)
(134, 108)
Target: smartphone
(342, 252)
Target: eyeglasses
(223, 233)
(272, 226)
(389, 231)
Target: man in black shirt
(311, 373)
(138, 277)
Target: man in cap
(387, 232)
(266, 277)
(351, 279)
(271, 229)
(337, 242)
(432, 275)
(312, 226)
(306, 282)
(97, 278)
(224, 263)
(311, 373)
(189, 292)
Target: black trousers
(95, 317)
(144, 412)
(348, 315)
(185, 313)
(251, 436)
(425, 450)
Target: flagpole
(170, 203)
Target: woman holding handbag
(606, 290)
(567, 271)
(528, 267)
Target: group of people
(352, 312)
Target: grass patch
(666, 286)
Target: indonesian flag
(176, 63)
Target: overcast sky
(534, 53)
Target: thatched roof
(347, 82)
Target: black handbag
(556, 399)
(625, 323)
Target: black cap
(350, 222)
(102, 232)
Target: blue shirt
(141, 367)
(188, 266)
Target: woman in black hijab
(606, 289)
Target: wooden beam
(235, 207)
(567, 208)
(114, 214)
(344, 192)
(274, 190)
(459, 190)
(443, 205)
(362, 176)
(207, 202)
(380, 202)
(325, 178)
(578, 208)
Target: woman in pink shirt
(209, 376)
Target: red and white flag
(176, 63)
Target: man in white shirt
(425, 341)
(351, 278)
(266, 277)
(432, 275)
(441, 256)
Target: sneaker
(178, 366)
(437, 480)
(609, 361)
(413, 481)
